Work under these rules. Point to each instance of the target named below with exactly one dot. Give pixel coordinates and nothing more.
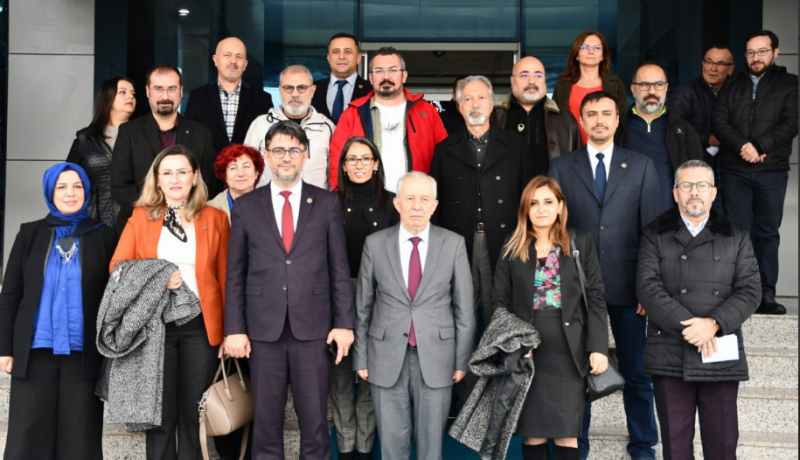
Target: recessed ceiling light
(183, 11)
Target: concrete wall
(50, 97)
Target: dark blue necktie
(338, 102)
(600, 177)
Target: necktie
(600, 177)
(287, 222)
(338, 102)
(414, 276)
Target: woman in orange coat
(171, 221)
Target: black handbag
(610, 381)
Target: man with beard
(653, 130)
(549, 130)
(755, 120)
(405, 127)
(612, 193)
(297, 90)
(288, 296)
(333, 94)
(140, 140)
(228, 105)
(693, 303)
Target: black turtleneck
(359, 227)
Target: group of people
(350, 243)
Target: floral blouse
(548, 281)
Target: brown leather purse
(226, 408)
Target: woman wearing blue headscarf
(55, 278)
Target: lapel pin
(204, 229)
(187, 131)
(360, 86)
(310, 200)
(520, 127)
(624, 165)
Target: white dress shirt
(406, 246)
(181, 254)
(606, 158)
(347, 91)
(278, 201)
(692, 229)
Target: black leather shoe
(347, 455)
(769, 306)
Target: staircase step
(608, 443)
(772, 367)
(775, 408)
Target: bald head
(230, 60)
(528, 82)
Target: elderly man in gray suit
(414, 323)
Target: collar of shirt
(663, 111)
(482, 140)
(692, 229)
(232, 93)
(606, 159)
(406, 246)
(351, 80)
(713, 89)
(278, 201)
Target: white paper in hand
(727, 350)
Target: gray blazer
(442, 310)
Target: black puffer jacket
(94, 155)
(694, 101)
(769, 121)
(713, 275)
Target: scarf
(59, 316)
(173, 222)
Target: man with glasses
(288, 297)
(755, 119)
(140, 140)
(228, 105)
(698, 279)
(694, 101)
(404, 126)
(344, 84)
(549, 130)
(297, 89)
(653, 130)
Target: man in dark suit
(332, 97)
(140, 140)
(288, 296)
(613, 193)
(228, 105)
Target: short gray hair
(694, 164)
(416, 174)
(470, 79)
(297, 68)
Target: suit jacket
(140, 241)
(631, 202)
(310, 285)
(205, 107)
(500, 181)
(319, 101)
(22, 288)
(138, 145)
(514, 287)
(442, 309)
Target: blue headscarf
(59, 317)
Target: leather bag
(610, 381)
(225, 407)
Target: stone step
(772, 410)
(772, 368)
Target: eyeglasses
(280, 152)
(592, 47)
(701, 186)
(711, 63)
(761, 52)
(645, 85)
(160, 89)
(289, 89)
(352, 161)
(390, 71)
(182, 174)
(527, 75)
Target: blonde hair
(152, 198)
(519, 243)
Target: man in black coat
(140, 140)
(612, 193)
(228, 105)
(698, 280)
(755, 119)
(332, 97)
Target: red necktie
(287, 222)
(414, 277)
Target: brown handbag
(226, 408)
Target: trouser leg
(269, 374)
(430, 412)
(79, 431)
(719, 420)
(393, 415)
(344, 405)
(676, 401)
(310, 374)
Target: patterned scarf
(173, 222)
